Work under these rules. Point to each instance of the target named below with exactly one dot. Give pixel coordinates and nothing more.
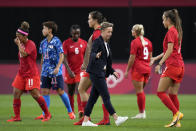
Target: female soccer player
(100, 67)
(27, 78)
(74, 49)
(139, 61)
(95, 18)
(51, 73)
(174, 71)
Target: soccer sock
(141, 101)
(175, 100)
(106, 114)
(16, 107)
(79, 103)
(66, 102)
(47, 99)
(167, 102)
(71, 98)
(84, 104)
(43, 105)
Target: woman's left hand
(116, 75)
(157, 68)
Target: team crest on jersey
(81, 45)
(71, 46)
(50, 46)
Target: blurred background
(123, 13)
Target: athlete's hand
(98, 55)
(17, 41)
(56, 71)
(126, 74)
(116, 75)
(71, 74)
(157, 69)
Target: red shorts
(26, 83)
(73, 80)
(140, 77)
(175, 73)
(84, 74)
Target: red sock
(16, 107)
(106, 114)
(167, 102)
(141, 101)
(71, 99)
(80, 109)
(84, 105)
(43, 105)
(175, 100)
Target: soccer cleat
(140, 116)
(41, 117)
(72, 116)
(88, 123)
(47, 118)
(178, 116)
(178, 124)
(14, 119)
(81, 114)
(120, 120)
(104, 122)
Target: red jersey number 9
(146, 53)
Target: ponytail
(173, 15)
(139, 30)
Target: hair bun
(25, 25)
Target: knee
(16, 95)
(35, 95)
(60, 92)
(80, 90)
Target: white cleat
(88, 123)
(140, 116)
(120, 120)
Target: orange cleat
(104, 122)
(41, 117)
(14, 119)
(47, 118)
(72, 116)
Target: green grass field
(157, 115)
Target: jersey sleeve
(133, 49)
(59, 47)
(30, 48)
(65, 47)
(171, 37)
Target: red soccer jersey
(96, 33)
(175, 58)
(142, 55)
(28, 67)
(75, 53)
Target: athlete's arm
(71, 74)
(21, 50)
(87, 53)
(56, 70)
(165, 56)
(130, 64)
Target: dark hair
(24, 27)
(96, 15)
(74, 27)
(51, 25)
(105, 25)
(176, 20)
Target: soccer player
(100, 67)
(27, 78)
(173, 74)
(95, 18)
(74, 49)
(139, 63)
(51, 61)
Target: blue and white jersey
(50, 52)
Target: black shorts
(55, 82)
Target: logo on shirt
(71, 46)
(81, 45)
(50, 46)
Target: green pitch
(157, 115)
